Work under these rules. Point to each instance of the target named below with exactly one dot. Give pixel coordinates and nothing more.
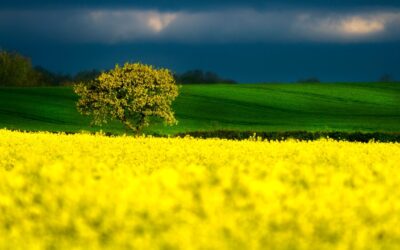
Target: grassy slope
(261, 107)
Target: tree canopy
(131, 94)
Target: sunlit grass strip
(97, 192)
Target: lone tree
(131, 94)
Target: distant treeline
(383, 78)
(17, 70)
(49, 78)
(199, 76)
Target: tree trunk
(140, 123)
(128, 125)
(135, 129)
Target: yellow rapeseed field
(97, 192)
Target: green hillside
(256, 107)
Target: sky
(249, 41)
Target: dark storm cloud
(192, 5)
(207, 21)
(203, 26)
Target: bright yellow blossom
(96, 192)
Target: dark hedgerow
(297, 135)
(275, 136)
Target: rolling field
(366, 107)
(96, 192)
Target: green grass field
(365, 107)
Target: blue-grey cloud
(203, 26)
